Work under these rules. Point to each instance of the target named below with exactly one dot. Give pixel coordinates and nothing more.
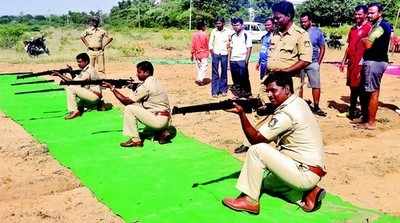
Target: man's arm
(321, 48)
(248, 54)
(211, 42)
(252, 134)
(345, 57)
(109, 40)
(229, 48)
(122, 98)
(373, 35)
(84, 41)
(295, 68)
(62, 77)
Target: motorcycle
(36, 46)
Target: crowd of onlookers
(366, 59)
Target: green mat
(183, 181)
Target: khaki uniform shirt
(95, 37)
(88, 73)
(152, 95)
(295, 130)
(288, 48)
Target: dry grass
(128, 45)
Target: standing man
(293, 168)
(96, 40)
(290, 50)
(199, 53)
(313, 70)
(218, 45)
(265, 42)
(79, 96)
(239, 55)
(375, 63)
(353, 55)
(148, 105)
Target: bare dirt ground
(363, 165)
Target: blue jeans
(219, 83)
(240, 77)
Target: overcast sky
(58, 7)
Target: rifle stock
(48, 72)
(118, 83)
(249, 105)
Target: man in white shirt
(239, 55)
(218, 45)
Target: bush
(337, 31)
(10, 35)
(132, 51)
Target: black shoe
(101, 106)
(241, 149)
(319, 112)
(163, 136)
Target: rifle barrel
(15, 73)
(32, 82)
(40, 91)
(247, 104)
(48, 72)
(119, 83)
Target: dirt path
(36, 188)
(363, 166)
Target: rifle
(40, 91)
(48, 72)
(249, 105)
(15, 73)
(118, 83)
(32, 82)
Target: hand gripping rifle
(118, 83)
(248, 105)
(49, 72)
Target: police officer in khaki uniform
(293, 168)
(79, 96)
(96, 40)
(148, 105)
(289, 52)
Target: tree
(337, 12)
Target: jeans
(263, 70)
(219, 83)
(240, 77)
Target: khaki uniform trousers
(97, 61)
(84, 95)
(135, 112)
(284, 175)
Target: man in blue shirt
(313, 70)
(265, 42)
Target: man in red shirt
(199, 53)
(353, 55)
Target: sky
(58, 7)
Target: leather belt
(98, 94)
(317, 170)
(163, 113)
(94, 49)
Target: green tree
(337, 12)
